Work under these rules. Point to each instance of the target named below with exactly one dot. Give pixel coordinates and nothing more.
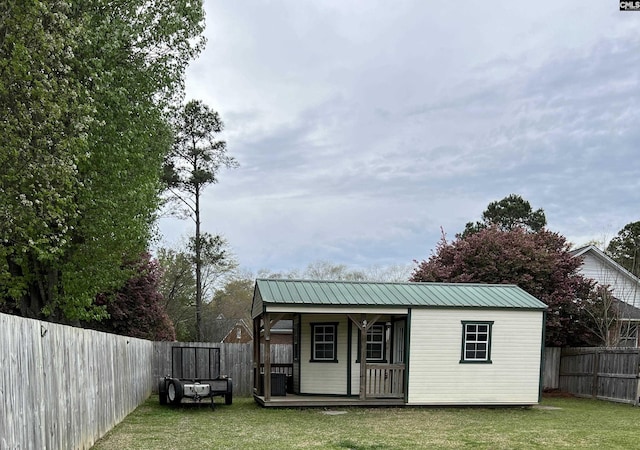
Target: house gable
(599, 267)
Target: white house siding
(605, 274)
(323, 377)
(437, 377)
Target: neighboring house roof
(627, 312)
(602, 256)
(602, 268)
(282, 327)
(238, 323)
(353, 293)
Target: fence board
(63, 387)
(551, 376)
(605, 373)
(236, 361)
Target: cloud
(362, 129)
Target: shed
(424, 343)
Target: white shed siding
(605, 274)
(436, 375)
(323, 377)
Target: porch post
(256, 355)
(267, 357)
(363, 326)
(363, 356)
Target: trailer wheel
(174, 391)
(228, 397)
(162, 391)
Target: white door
(399, 329)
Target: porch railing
(385, 380)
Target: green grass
(579, 423)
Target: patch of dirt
(546, 408)
(556, 393)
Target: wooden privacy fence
(63, 387)
(603, 373)
(236, 361)
(551, 379)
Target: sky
(364, 128)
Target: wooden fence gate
(604, 373)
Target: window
(628, 335)
(323, 342)
(476, 342)
(376, 343)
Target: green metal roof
(352, 293)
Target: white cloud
(362, 127)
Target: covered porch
(378, 382)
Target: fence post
(636, 401)
(596, 365)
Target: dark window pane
(323, 342)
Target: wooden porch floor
(303, 401)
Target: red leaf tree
(137, 309)
(537, 262)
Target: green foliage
(510, 212)
(231, 302)
(178, 285)
(43, 118)
(537, 262)
(193, 164)
(234, 299)
(197, 155)
(178, 288)
(625, 248)
(85, 88)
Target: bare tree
(325, 270)
(614, 309)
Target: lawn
(558, 423)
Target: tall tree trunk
(198, 270)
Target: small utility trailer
(195, 375)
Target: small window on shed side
(476, 342)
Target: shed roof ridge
(401, 283)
